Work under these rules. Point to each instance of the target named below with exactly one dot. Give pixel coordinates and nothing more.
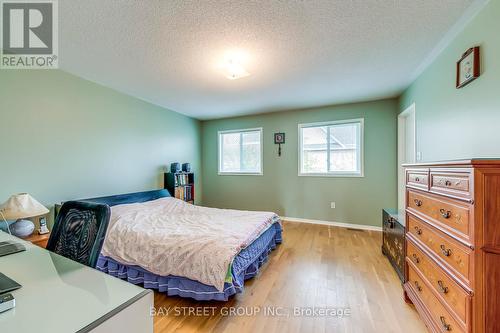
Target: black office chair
(79, 231)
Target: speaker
(175, 167)
(186, 167)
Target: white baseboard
(332, 223)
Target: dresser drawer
(455, 183)
(451, 215)
(417, 178)
(450, 252)
(454, 295)
(439, 314)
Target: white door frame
(402, 150)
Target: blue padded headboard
(122, 199)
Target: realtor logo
(29, 35)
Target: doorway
(407, 148)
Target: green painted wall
(280, 189)
(460, 123)
(63, 138)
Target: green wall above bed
(63, 137)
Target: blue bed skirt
(245, 266)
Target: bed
(182, 249)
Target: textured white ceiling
(301, 53)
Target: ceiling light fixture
(232, 66)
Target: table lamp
(19, 207)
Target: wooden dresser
(452, 268)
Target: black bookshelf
(180, 185)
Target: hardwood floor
(316, 266)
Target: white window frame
(361, 122)
(241, 173)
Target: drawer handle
(418, 286)
(442, 288)
(417, 202)
(445, 213)
(447, 183)
(418, 230)
(446, 327)
(417, 179)
(416, 259)
(446, 252)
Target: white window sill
(240, 174)
(338, 175)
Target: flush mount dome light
(233, 70)
(233, 65)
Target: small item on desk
(43, 226)
(7, 302)
(7, 284)
(10, 247)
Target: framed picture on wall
(468, 67)
(279, 138)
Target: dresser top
(484, 162)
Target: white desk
(60, 295)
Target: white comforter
(170, 237)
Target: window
(240, 152)
(331, 149)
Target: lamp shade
(22, 205)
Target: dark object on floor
(79, 231)
(393, 240)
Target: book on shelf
(184, 193)
(182, 179)
(188, 193)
